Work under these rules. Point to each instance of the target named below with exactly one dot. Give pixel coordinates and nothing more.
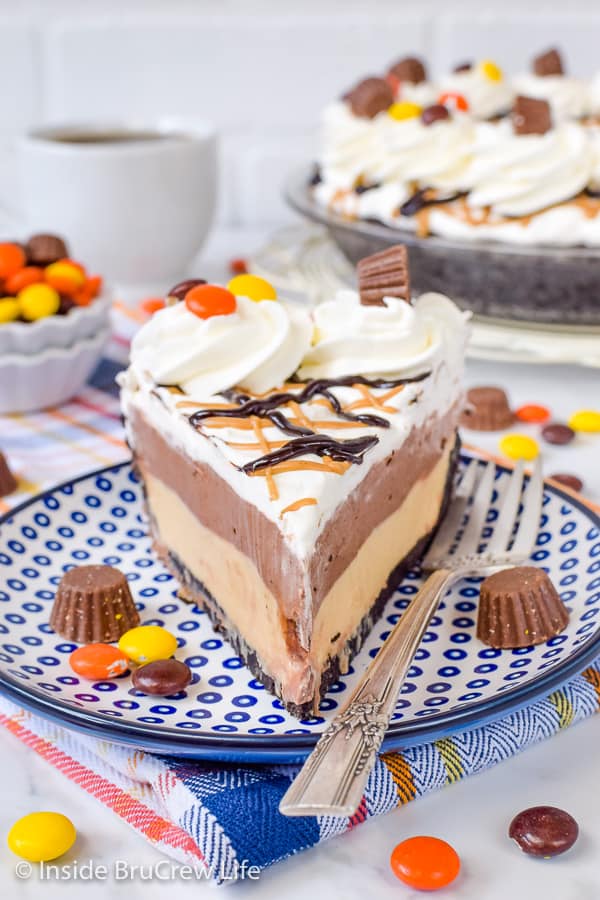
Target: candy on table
(9, 309)
(557, 433)
(207, 300)
(238, 266)
(162, 677)
(532, 413)
(571, 481)
(425, 863)
(519, 446)
(544, 831)
(487, 409)
(8, 482)
(404, 109)
(98, 662)
(252, 286)
(12, 258)
(454, 100)
(37, 301)
(587, 420)
(41, 836)
(147, 643)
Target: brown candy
(162, 677)
(557, 433)
(44, 249)
(544, 831)
(570, 481)
(519, 607)
(487, 409)
(549, 63)
(93, 604)
(384, 274)
(8, 482)
(182, 287)
(409, 69)
(370, 97)
(531, 116)
(435, 113)
(463, 67)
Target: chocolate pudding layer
(302, 618)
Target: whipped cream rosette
(484, 87)
(569, 98)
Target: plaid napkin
(223, 818)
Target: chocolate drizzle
(351, 451)
(305, 440)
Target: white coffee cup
(134, 202)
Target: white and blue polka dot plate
(454, 683)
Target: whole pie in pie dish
(295, 463)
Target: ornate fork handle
(332, 780)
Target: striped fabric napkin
(223, 819)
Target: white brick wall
(261, 69)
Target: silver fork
(332, 780)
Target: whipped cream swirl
(352, 146)
(389, 341)
(519, 175)
(258, 347)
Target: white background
(261, 69)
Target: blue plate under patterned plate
(455, 681)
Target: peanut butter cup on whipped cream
(296, 462)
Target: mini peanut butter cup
(548, 63)
(531, 116)
(384, 274)
(370, 97)
(44, 249)
(519, 607)
(487, 409)
(8, 482)
(409, 69)
(93, 604)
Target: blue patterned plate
(454, 683)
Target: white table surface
(472, 815)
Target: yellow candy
(253, 287)
(491, 70)
(585, 420)
(404, 110)
(41, 836)
(9, 309)
(519, 446)
(147, 643)
(38, 301)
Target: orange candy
(12, 258)
(65, 276)
(23, 278)
(454, 101)
(207, 300)
(98, 662)
(532, 413)
(425, 863)
(152, 304)
(238, 266)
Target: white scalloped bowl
(29, 338)
(31, 382)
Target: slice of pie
(295, 464)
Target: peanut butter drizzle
(265, 447)
(298, 504)
(304, 465)
(422, 217)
